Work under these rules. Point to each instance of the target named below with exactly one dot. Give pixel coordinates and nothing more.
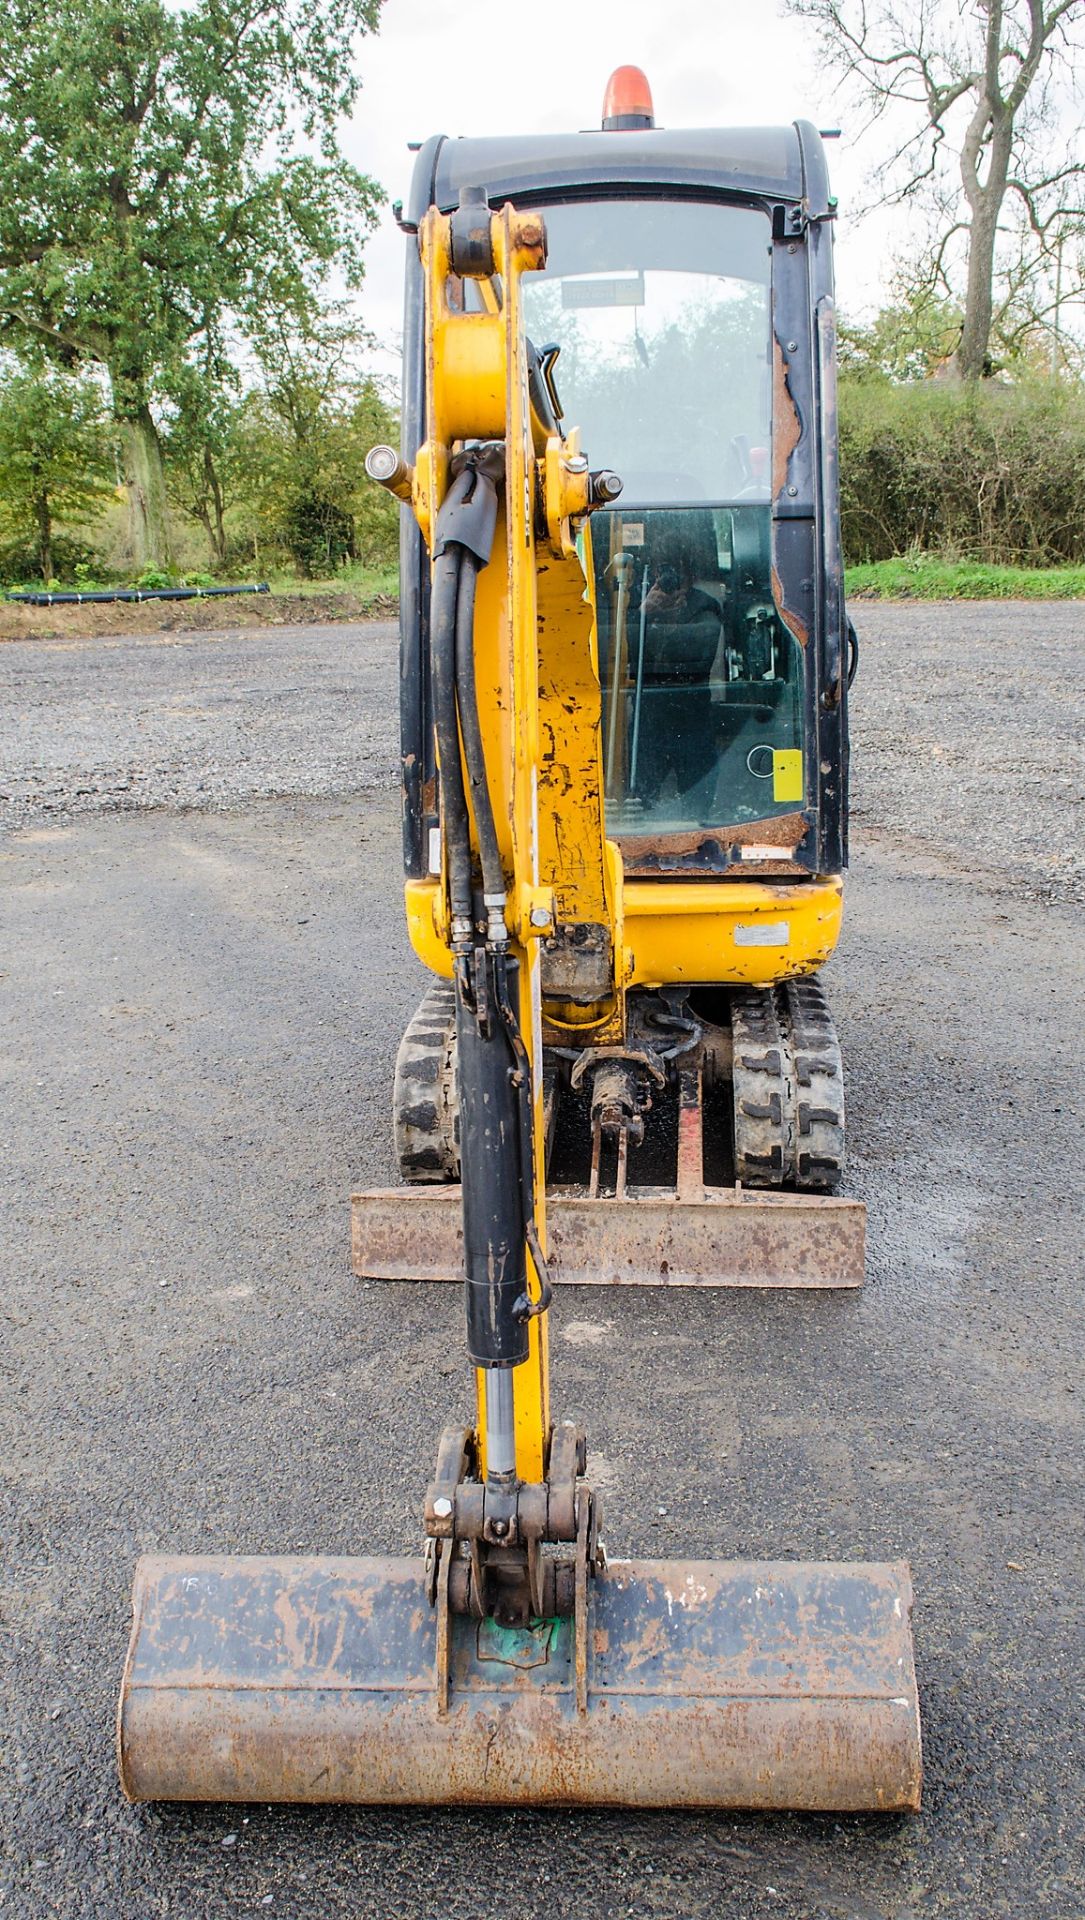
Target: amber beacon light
(627, 101)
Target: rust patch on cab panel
(786, 425)
(716, 853)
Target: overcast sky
(521, 66)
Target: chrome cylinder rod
(500, 1424)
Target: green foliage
(151, 187)
(367, 583)
(921, 576)
(990, 472)
(148, 185)
(301, 441)
(910, 339)
(56, 458)
(21, 566)
(201, 447)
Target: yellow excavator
(624, 732)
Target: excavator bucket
(680, 1683)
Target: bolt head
(442, 1508)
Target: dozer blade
(775, 1685)
(729, 1238)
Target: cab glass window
(661, 311)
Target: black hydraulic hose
(130, 593)
(446, 580)
(493, 877)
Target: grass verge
(925, 577)
(366, 583)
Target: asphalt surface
(204, 980)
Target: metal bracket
(444, 1625)
(789, 223)
(580, 1600)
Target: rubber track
(426, 1111)
(788, 1088)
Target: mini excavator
(691, 751)
(624, 722)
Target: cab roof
(751, 163)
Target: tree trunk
(199, 512)
(971, 359)
(45, 537)
(145, 480)
(971, 356)
(214, 488)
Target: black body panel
(760, 163)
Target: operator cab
(684, 324)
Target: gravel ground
(182, 720)
(969, 722)
(967, 728)
(204, 979)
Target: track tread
(788, 1088)
(426, 1110)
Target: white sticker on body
(763, 933)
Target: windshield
(661, 311)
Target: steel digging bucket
(753, 1685)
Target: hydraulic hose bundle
(494, 1071)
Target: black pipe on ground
(130, 593)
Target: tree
(914, 337)
(56, 455)
(978, 92)
(201, 448)
(152, 184)
(303, 437)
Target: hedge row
(987, 473)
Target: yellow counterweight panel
(728, 931)
(719, 932)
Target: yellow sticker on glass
(787, 773)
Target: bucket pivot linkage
(513, 1553)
